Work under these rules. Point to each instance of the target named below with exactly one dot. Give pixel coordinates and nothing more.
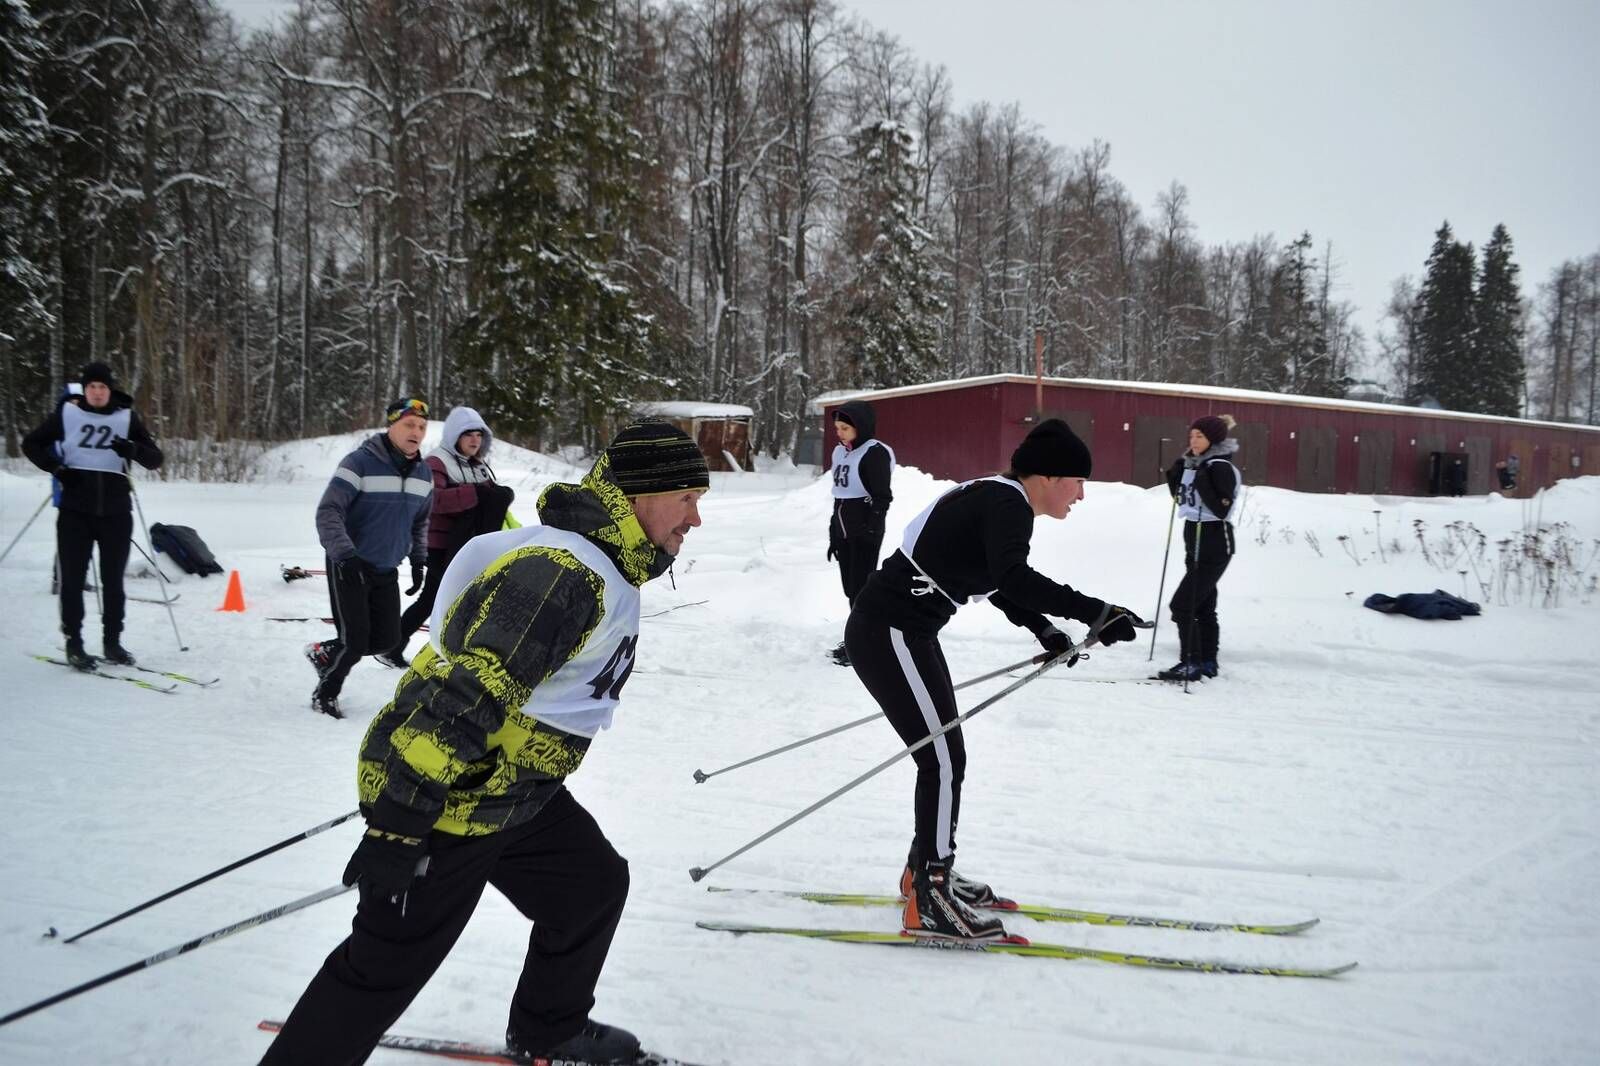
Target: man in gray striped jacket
(373, 514)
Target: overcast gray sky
(1367, 122)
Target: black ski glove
(124, 447)
(418, 572)
(1056, 643)
(387, 863)
(1117, 624)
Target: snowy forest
(555, 209)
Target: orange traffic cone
(234, 600)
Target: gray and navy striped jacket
(376, 507)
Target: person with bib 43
(862, 468)
(1206, 485)
(462, 776)
(87, 446)
(970, 544)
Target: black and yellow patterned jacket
(453, 751)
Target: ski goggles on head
(400, 408)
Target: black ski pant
(857, 556)
(1207, 550)
(421, 608)
(366, 610)
(78, 534)
(558, 870)
(906, 673)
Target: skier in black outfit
(1206, 485)
(87, 447)
(862, 467)
(972, 543)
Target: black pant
(366, 610)
(77, 534)
(558, 870)
(1207, 550)
(421, 607)
(857, 556)
(909, 678)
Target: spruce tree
(556, 339)
(1498, 357)
(1446, 325)
(22, 283)
(891, 297)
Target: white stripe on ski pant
(943, 830)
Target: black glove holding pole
(387, 863)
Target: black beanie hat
(1053, 450)
(1214, 427)
(650, 456)
(98, 372)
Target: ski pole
(263, 853)
(1155, 616)
(163, 582)
(134, 967)
(698, 872)
(37, 511)
(701, 776)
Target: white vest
(583, 692)
(846, 477)
(908, 544)
(460, 473)
(86, 437)
(1191, 506)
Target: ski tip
(51, 933)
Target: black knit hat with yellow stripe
(650, 456)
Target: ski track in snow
(1427, 789)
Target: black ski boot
(325, 704)
(1209, 667)
(112, 651)
(395, 657)
(595, 1042)
(1182, 672)
(840, 655)
(972, 893)
(77, 658)
(320, 655)
(933, 910)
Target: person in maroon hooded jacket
(467, 501)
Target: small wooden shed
(721, 429)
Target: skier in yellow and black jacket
(461, 777)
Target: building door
(1480, 466)
(1157, 441)
(1427, 445)
(1315, 462)
(1374, 461)
(1251, 458)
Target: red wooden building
(968, 428)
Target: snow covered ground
(1428, 789)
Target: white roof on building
(1206, 392)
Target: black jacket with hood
(863, 517)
